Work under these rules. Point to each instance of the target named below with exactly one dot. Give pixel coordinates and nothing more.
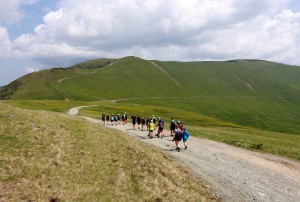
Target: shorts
(184, 139)
(150, 131)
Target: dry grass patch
(50, 156)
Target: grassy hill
(70, 159)
(252, 93)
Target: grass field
(48, 156)
(251, 93)
(284, 144)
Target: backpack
(173, 124)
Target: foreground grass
(50, 156)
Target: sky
(41, 34)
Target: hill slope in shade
(254, 93)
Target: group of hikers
(149, 124)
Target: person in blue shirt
(185, 136)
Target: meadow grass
(283, 144)
(277, 115)
(258, 94)
(52, 156)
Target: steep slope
(45, 84)
(127, 78)
(260, 94)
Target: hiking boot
(185, 147)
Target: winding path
(232, 173)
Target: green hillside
(253, 93)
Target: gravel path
(232, 173)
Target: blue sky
(32, 15)
(39, 34)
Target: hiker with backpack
(185, 136)
(133, 119)
(103, 118)
(112, 119)
(138, 120)
(177, 138)
(116, 119)
(147, 123)
(172, 127)
(179, 125)
(154, 119)
(160, 128)
(124, 118)
(107, 119)
(143, 122)
(151, 129)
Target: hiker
(154, 119)
(116, 119)
(124, 118)
(177, 138)
(179, 125)
(147, 123)
(157, 126)
(133, 119)
(119, 118)
(160, 128)
(151, 129)
(143, 122)
(112, 118)
(185, 136)
(103, 118)
(138, 120)
(107, 119)
(172, 127)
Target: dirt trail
(232, 173)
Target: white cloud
(10, 10)
(5, 44)
(31, 69)
(166, 30)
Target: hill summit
(241, 91)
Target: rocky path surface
(232, 173)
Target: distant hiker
(172, 127)
(147, 123)
(124, 118)
(119, 118)
(151, 129)
(185, 136)
(154, 119)
(112, 118)
(143, 122)
(116, 119)
(133, 119)
(138, 120)
(177, 138)
(103, 118)
(107, 119)
(160, 125)
(180, 125)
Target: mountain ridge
(256, 93)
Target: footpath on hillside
(231, 173)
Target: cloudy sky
(39, 34)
